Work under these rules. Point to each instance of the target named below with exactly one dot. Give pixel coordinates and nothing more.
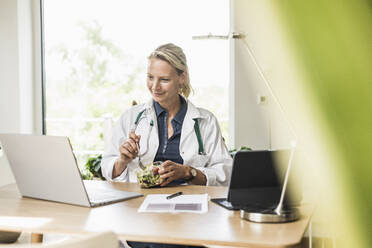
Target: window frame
(38, 67)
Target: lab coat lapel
(187, 127)
(188, 122)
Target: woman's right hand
(128, 151)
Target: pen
(174, 195)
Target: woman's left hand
(171, 171)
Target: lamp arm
(278, 208)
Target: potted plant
(242, 148)
(93, 168)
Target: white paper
(196, 203)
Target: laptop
(256, 181)
(45, 168)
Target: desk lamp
(279, 214)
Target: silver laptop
(45, 168)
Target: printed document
(195, 203)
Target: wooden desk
(219, 226)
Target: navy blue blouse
(169, 149)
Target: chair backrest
(106, 239)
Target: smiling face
(163, 81)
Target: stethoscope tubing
(151, 124)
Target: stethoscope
(196, 128)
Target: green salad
(149, 177)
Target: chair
(106, 239)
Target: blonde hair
(176, 58)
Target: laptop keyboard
(102, 195)
(99, 194)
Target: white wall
(9, 86)
(17, 78)
(9, 79)
(260, 126)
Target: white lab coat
(216, 164)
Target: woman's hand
(128, 151)
(171, 171)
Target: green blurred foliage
(334, 41)
(93, 165)
(242, 148)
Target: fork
(139, 158)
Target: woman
(168, 128)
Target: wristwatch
(193, 174)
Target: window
(96, 57)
